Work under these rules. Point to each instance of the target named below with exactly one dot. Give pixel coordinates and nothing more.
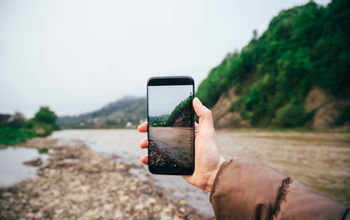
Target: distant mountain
(296, 74)
(125, 112)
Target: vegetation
(343, 115)
(303, 47)
(114, 115)
(43, 150)
(180, 116)
(15, 129)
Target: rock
(182, 209)
(324, 117)
(34, 162)
(123, 198)
(314, 99)
(108, 207)
(222, 116)
(151, 201)
(182, 202)
(230, 119)
(88, 187)
(7, 194)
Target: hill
(296, 74)
(128, 110)
(179, 117)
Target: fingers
(196, 125)
(205, 116)
(144, 143)
(199, 108)
(144, 159)
(196, 128)
(142, 127)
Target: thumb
(205, 116)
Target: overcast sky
(163, 99)
(76, 56)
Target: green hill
(296, 74)
(128, 110)
(179, 117)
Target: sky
(76, 56)
(163, 99)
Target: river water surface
(12, 169)
(319, 160)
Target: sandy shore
(77, 183)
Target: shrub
(18, 130)
(343, 116)
(292, 116)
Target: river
(175, 142)
(319, 160)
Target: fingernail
(198, 102)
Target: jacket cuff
(223, 165)
(245, 189)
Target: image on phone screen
(171, 128)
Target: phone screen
(170, 125)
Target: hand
(207, 157)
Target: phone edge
(193, 124)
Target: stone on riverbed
(76, 182)
(34, 162)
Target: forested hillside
(181, 116)
(303, 55)
(128, 110)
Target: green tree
(45, 116)
(303, 47)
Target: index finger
(142, 127)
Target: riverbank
(289, 130)
(76, 182)
(319, 160)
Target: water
(319, 160)
(125, 144)
(11, 168)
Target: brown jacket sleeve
(247, 189)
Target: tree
(17, 119)
(45, 116)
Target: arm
(244, 188)
(247, 189)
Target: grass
(10, 135)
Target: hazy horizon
(77, 56)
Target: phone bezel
(168, 81)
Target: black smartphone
(170, 118)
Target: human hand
(207, 157)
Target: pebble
(87, 186)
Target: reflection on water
(11, 168)
(319, 160)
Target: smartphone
(170, 118)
